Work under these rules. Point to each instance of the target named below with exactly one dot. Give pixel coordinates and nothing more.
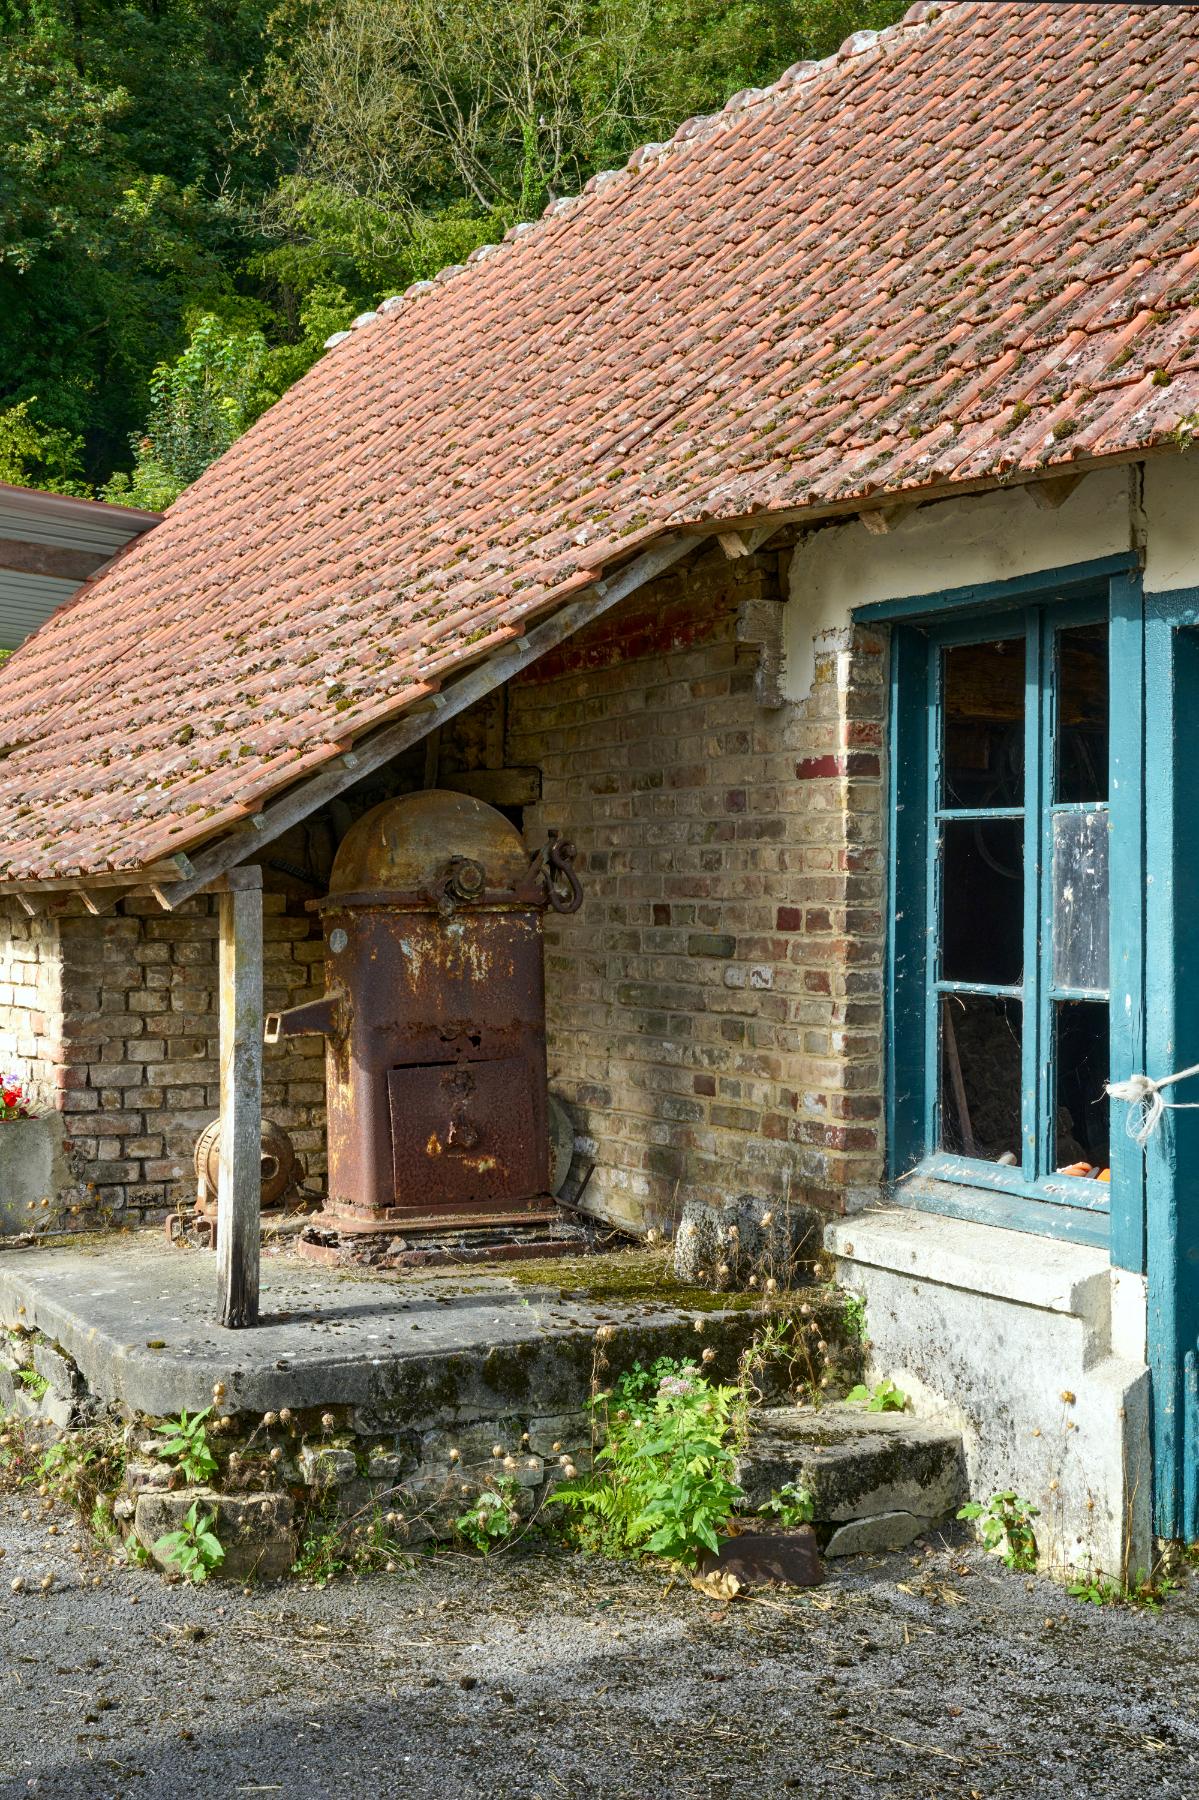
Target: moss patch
(625, 1278)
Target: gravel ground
(531, 1677)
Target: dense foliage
(194, 193)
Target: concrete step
(877, 1480)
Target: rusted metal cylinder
(435, 1015)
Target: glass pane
(1082, 713)
(984, 724)
(1080, 862)
(982, 901)
(980, 1077)
(1082, 1054)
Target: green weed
(492, 1519)
(187, 1446)
(194, 1550)
(1005, 1527)
(667, 1486)
(884, 1397)
(790, 1505)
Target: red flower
(11, 1096)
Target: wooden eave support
(1049, 495)
(239, 1186)
(371, 753)
(745, 543)
(883, 519)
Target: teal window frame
(1029, 1197)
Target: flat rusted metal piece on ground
(786, 1557)
(516, 1238)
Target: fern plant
(667, 1486)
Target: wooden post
(239, 1189)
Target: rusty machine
(438, 1109)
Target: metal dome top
(403, 844)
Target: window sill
(1005, 1205)
(978, 1258)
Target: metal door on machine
(464, 1132)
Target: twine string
(1145, 1104)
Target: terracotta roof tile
(964, 248)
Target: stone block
(880, 1533)
(749, 1236)
(256, 1530)
(55, 1368)
(560, 1432)
(147, 1476)
(474, 1440)
(855, 1464)
(33, 1167)
(1010, 1337)
(386, 1465)
(324, 1466)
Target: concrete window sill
(1017, 1266)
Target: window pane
(984, 724)
(1082, 713)
(1080, 892)
(1081, 1047)
(982, 901)
(980, 1076)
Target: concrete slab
(138, 1319)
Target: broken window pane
(1081, 1047)
(980, 1076)
(1080, 899)
(1082, 713)
(982, 901)
(984, 724)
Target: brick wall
(715, 1007)
(30, 1001)
(138, 1070)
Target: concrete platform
(138, 1320)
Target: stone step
(877, 1480)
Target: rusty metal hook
(560, 854)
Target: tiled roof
(962, 249)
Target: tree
(33, 455)
(116, 216)
(198, 406)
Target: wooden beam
(432, 757)
(297, 803)
(166, 869)
(745, 542)
(102, 900)
(240, 1184)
